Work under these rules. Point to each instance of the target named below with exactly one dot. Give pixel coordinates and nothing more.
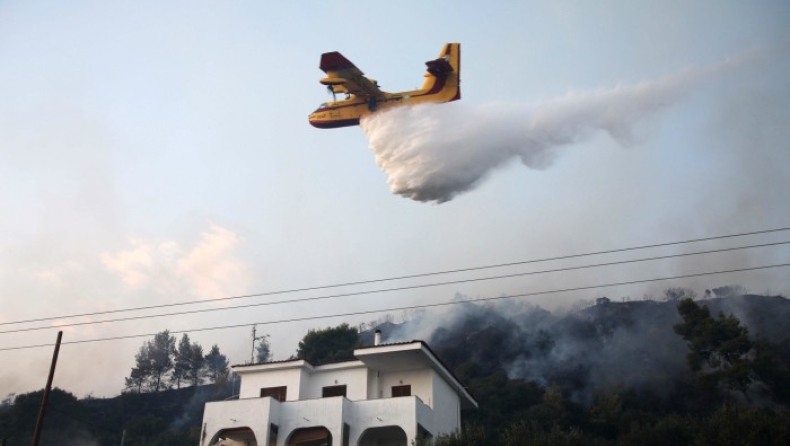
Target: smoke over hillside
(433, 152)
(625, 345)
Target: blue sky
(155, 152)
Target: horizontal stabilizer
(334, 61)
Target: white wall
(253, 382)
(326, 412)
(355, 380)
(446, 407)
(373, 385)
(421, 382)
(255, 414)
(400, 412)
(368, 403)
(304, 376)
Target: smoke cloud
(614, 345)
(434, 152)
(208, 269)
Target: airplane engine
(332, 81)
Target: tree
(8, 401)
(524, 433)
(160, 352)
(553, 410)
(677, 293)
(134, 383)
(718, 347)
(195, 364)
(744, 426)
(67, 418)
(329, 344)
(606, 414)
(216, 365)
(729, 291)
(471, 435)
(152, 363)
(772, 365)
(182, 356)
(263, 351)
(140, 372)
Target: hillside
(610, 373)
(527, 365)
(170, 417)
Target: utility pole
(47, 390)
(252, 352)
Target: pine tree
(141, 371)
(329, 344)
(216, 365)
(160, 352)
(196, 362)
(718, 347)
(182, 356)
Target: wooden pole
(252, 352)
(47, 390)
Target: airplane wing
(344, 77)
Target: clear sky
(159, 152)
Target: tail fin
(444, 74)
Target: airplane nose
(317, 119)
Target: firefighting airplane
(363, 96)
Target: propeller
(332, 90)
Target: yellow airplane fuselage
(442, 84)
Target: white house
(387, 395)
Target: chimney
(377, 337)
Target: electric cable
(408, 307)
(386, 290)
(410, 276)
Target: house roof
(287, 362)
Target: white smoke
(433, 152)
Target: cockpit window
(323, 106)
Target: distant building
(602, 301)
(387, 395)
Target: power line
(410, 307)
(386, 290)
(410, 276)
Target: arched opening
(383, 436)
(310, 436)
(242, 436)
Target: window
(404, 390)
(333, 391)
(277, 393)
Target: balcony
(240, 418)
(407, 412)
(250, 417)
